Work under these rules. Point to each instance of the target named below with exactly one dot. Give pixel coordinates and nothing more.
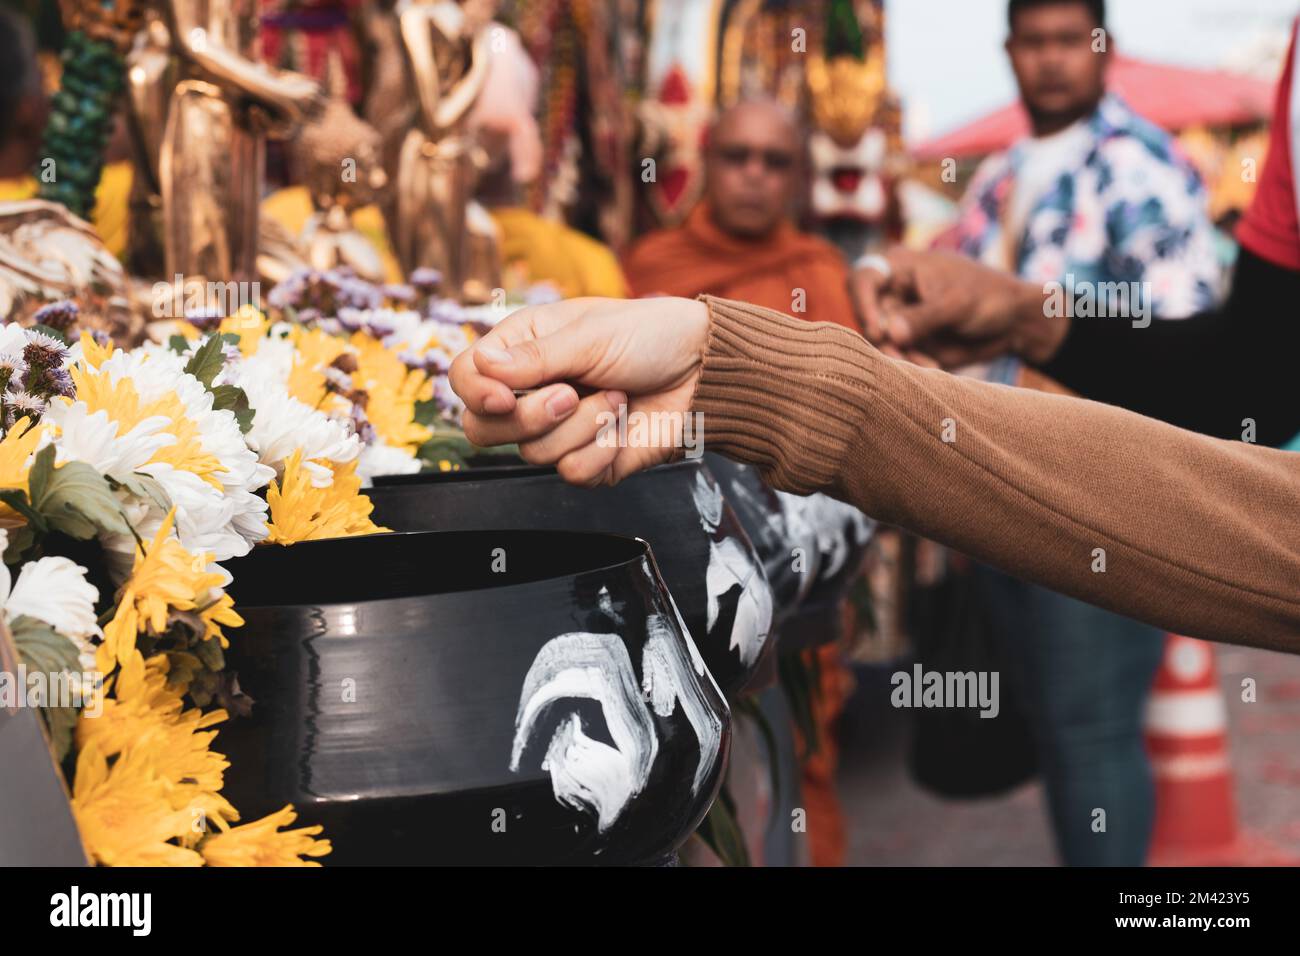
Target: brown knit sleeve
(1194, 534)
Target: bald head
(750, 166)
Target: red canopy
(1173, 97)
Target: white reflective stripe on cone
(1190, 766)
(1187, 713)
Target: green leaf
(178, 344)
(146, 486)
(722, 834)
(207, 361)
(61, 722)
(74, 498)
(20, 539)
(209, 652)
(46, 651)
(42, 648)
(232, 397)
(16, 498)
(426, 412)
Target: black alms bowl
(705, 556)
(472, 697)
(811, 547)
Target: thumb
(918, 321)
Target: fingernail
(616, 399)
(495, 356)
(561, 403)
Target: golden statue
(338, 158)
(211, 161)
(150, 76)
(446, 46)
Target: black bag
(954, 751)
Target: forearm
(1214, 373)
(1194, 534)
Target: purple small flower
(58, 315)
(445, 310)
(425, 280)
(336, 380)
(59, 382)
(206, 319)
(352, 319)
(361, 426)
(43, 351)
(403, 294)
(23, 404)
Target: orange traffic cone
(1187, 737)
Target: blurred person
(1095, 196)
(1226, 372)
(1095, 192)
(739, 240)
(23, 105)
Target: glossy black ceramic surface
(763, 517)
(811, 548)
(705, 556)
(408, 688)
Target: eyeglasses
(774, 160)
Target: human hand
(644, 354)
(953, 309)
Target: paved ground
(894, 822)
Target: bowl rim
(642, 546)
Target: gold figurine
(211, 161)
(446, 46)
(338, 158)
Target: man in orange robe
(739, 241)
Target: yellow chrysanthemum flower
(301, 512)
(165, 576)
(125, 812)
(145, 714)
(393, 390)
(314, 351)
(263, 843)
(16, 450)
(250, 325)
(93, 355)
(122, 403)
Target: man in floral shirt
(1096, 192)
(1095, 199)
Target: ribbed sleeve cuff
(783, 394)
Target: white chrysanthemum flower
(381, 458)
(94, 439)
(54, 590)
(13, 338)
(219, 513)
(283, 425)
